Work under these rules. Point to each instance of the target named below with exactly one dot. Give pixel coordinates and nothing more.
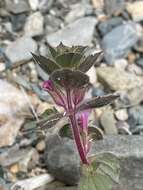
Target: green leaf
(101, 174)
(89, 62)
(47, 113)
(69, 60)
(95, 133)
(61, 49)
(52, 50)
(98, 102)
(46, 64)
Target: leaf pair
(67, 57)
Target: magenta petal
(83, 120)
(48, 85)
(55, 93)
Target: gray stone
(34, 4)
(140, 62)
(34, 25)
(97, 91)
(18, 22)
(52, 23)
(19, 50)
(129, 149)
(121, 114)
(117, 79)
(117, 43)
(138, 130)
(135, 95)
(135, 69)
(17, 7)
(136, 116)
(139, 45)
(121, 64)
(106, 26)
(45, 5)
(79, 32)
(77, 11)
(108, 122)
(114, 7)
(123, 128)
(12, 102)
(62, 160)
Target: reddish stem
(75, 129)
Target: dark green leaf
(90, 61)
(52, 50)
(46, 64)
(79, 49)
(101, 174)
(97, 102)
(69, 60)
(48, 112)
(95, 133)
(66, 131)
(50, 120)
(61, 49)
(69, 79)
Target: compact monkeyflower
(68, 84)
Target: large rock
(62, 160)
(77, 11)
(17, 7)
(129, 149)
(19, 50)
(107, 25)
(136, 10)
(117, 79)
(12, 102)
(79, 32)
(117, 43)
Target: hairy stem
(75, 129)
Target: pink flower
(57, 95)
(48, 85)
(83, 124)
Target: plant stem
(75, 129)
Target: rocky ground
(27, 26)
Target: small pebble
(41, 146)
(34, 4)
(121, 114)
(123, 128)
(14, 168)
(121, 64)
(2, 67)
(135, 69)
(131, 57)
